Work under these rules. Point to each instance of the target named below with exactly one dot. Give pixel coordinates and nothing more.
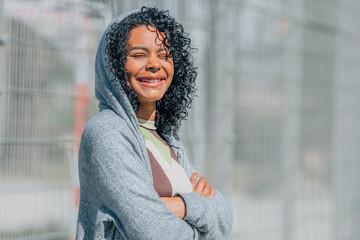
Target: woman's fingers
(193, 180)
(200, 185)
(212, 193)
(206, 190)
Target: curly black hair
(172, 107)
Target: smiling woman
(149, 68)
(136, 181)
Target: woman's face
(149, 68)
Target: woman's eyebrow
(138, 47)
(146, 49)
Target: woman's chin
(149, 98)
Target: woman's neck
(147, 111)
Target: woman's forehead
(145, 35)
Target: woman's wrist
(183, 205)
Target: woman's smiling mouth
(151, 81)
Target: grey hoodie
(117, 197)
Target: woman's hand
(175, 205)
(203, 187)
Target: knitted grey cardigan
(117, 197)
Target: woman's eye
(164, 56)
(138, 55)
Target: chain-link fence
(274, 126)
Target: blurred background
(274, 127)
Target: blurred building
(274, 126)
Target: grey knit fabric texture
(117, 197)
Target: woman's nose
(153, 64)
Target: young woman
(136, 181)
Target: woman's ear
(127, 81)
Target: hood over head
(110, 95)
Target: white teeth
(150, 80)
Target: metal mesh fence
(274, 126)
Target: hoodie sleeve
(213, 216)
(117, 180)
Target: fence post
(292, 92)
(2, 74)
